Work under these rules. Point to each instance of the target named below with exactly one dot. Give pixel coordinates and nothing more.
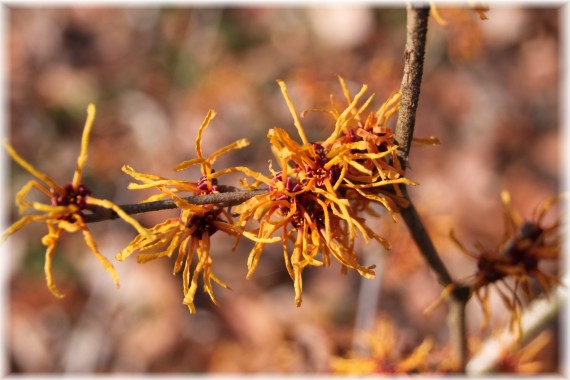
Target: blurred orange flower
(525, 244)
(385, 356)
(523, 360)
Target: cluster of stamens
(318, 170)
(308, 205)
(71, 196)
(489, 269)
(518, 252)
(305, 203)
(201, 224)
(204, 188)
(517, 255)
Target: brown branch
(417, 24)
(424, 242)
(229, 196)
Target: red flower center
(203, 223)
(71, 196)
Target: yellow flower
(315, 197)
(65, 212)
(187, 234)
(191, 231)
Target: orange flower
(312, 220)
(315, 197)
(523, 360)
(188, 233)
(385, 356)
(191, 231)
(66, 209)
(531, 243)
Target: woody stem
(417, 23)
(228, 196)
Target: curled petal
(146, 178)
(50, 241)
(257, 239)
(241, 143)
(344, 118)
(22, 222)
(31, 169)
(106, 264)
(209, 117)
(23, 205)
(186, 164)
(82, 158)
(54, 210)
(293, 112)
(123, 215)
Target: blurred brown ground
(490, 93)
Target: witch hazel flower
(189, 233)
(66, 208)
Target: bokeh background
(491, 94)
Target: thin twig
(424, 242)
(227, 198)
(417, 23)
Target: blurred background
(490, 93)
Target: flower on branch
(188, 235)
(316, 196)
(190, 232)
(66, 208)
(515, 262)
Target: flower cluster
(314, 204)
(319, 194)
(514, 266)
(317, 199)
